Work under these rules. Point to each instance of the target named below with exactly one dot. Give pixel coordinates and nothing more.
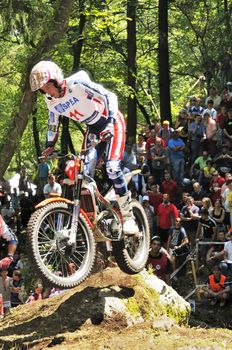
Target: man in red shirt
(151, 143)
(170, 187)
(166, 216)
(155, 197)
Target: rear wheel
(131, 253)
(48, 228)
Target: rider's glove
(48, 151)
(107, 133)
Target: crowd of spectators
(185, 187)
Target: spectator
(145, 170)
(140, 149)
(8, 214)
(196, 137)
(159, 260)
(228, 176)
(166, 216)
(216, 251)
(128, 158)
(139, 182)
(194, 107)
(226, 264)
(37, 295)
(43, 172)
(218, 287)
(198, 194)
(149, 213)
(52, 189)
(206, 231)
(210, 108)
(150, 182)
(165, 132)
(210, 133)
(176, 148)
(27, 208)
(178, 243)
(190, 215)
(151, 141)
(155, 198)
(218, 215)
(228, 129)
(214, 97)
(216, 184)
(17, 289)
(16, 207)
(223, 159)
(199, 164)
(23, 181)
(20, 262)
(159, 162)
(5, 289)
(170, 187)
(227, 202)
(207, 204)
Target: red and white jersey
(83, 101)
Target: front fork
(76, 206)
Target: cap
(210, 100)
(183, 110)
(145, 198)
(166, 122)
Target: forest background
(152, 53)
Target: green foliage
(199, 37)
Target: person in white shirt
(52, 188)
(226, 264)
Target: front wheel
(48, 229)
(131, 253)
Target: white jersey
(83, 101)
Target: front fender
(65, 200)
(51, 200)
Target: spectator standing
(128, 158)
(214, 97)
(43, 172)
(5, 289)
(165, 132)
(228, 129)
(199, 164)
(27, 208)
(216, 251)
(226, 264)
(159, 260)
(170, 187)
(166, 216)
(210, 133)
(140, 148)
(149, 213)
(159, 162)
(151, 141)
(207, 228)
(196, 137)
(23, 181)
(178, 243)
(145, 170)
(176, 148)
(155, 197)
(52, 188)
(227, 201)
(210, 108)
(218, 215)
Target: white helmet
(44, 71)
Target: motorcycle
(63, 233)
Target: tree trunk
(20, 118)
(77, 47)
(163, 58)
(131, 72)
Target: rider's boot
(129, 225)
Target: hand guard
(107, 133)
(48, 151)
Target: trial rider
(82, 100)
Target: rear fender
(65, 200)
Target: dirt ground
(58, 323)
